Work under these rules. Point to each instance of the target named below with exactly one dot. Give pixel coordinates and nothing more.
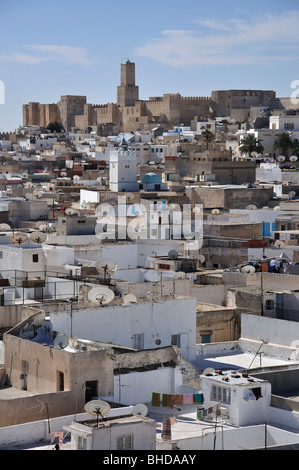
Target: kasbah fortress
(130, 114)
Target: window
(125, 442)
(176, 340)
(1, 254)
(35, 258)
(206, 339)
(269, 304)
(60, 381)
(82, 443)
(138, 341)
(220, 394)
(289, 125)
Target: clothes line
(171, 399)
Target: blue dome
(151, 178)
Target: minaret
(127, 92)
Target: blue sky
(49, 49)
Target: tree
(250, 144)
(284, 143)
(55, 127)
(207, 136)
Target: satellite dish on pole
(70, 211)
(215, 211)
(251, 207)
(180, 275)
(19, 238)
(38, 194)
(140, 409)
(61, 341)
(293, 158)
(209, 371)
(201, 258)
(100, 295)
(130, 196)
(281, 158)
(279, 244)
(105, 265)
(97, 408)
(248, 269)
(76, 177)
(38, 237)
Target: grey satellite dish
(43, 227)
(61, 341)
(105, 265)
(201, 258)
(130, 196)
(209, 371)
(279, 244)
(180, 275)
(19, 238)
(38, 237)
(70, 211)
(100, 295)
(152, 276)
(172, 254)
(97, 408)
(5, 227)
(140, 409)
(129, 299)
(247, 269)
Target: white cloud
(47, 53)
(271, 38)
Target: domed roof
(151, 178)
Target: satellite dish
(281, 158)
(28, 184)
(61, 341)
(215, 211)
(293, 158)
(279, 244)
(276, 208)
(292, 193)
(130, 196)
(97, 407)
(5, 227)
(172, 254)
(38, 237)
(201, 258)
(129, 299)
(152, 276)
(196, 210)
(251, 207)
(19, 238)
(63, 173)
(180, 275)
(140, 409)
(105, 265)
(76, 177)
(70, 211)
(100, 295)
(37, 194)
(209, 371)
(248, 269)
(43, 227)
(265, 207)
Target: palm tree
(207, 136)
(284, 142)
(250, 144)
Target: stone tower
(127, 92)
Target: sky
(50, 49)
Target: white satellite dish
(196, 210)
(129, 299)
(140, 409)
(292, 193)
(105, 265)
(281, 158)
(201, 258)
(97, 407)
(76, 177)
(215, 211)
(130, 196)
(5, 227)
(279, 244)
(180, 275)
(70, 211)
(209, 371)
(38, 237)
(19, 238)
(28, 184)
(152, 276)
(63, 173)
(293, 158)
(265, 207)
(251, 207)
(276, 208)
(61, 341)
(100, 295)
(37, 194)
(247, 269)
(43, 227)
(172, 254)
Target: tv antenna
(38, 237)
(60, 341)
(100, 295)
(98, 408)
(19, 238)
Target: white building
(123, 173)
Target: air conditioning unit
(223, 412)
